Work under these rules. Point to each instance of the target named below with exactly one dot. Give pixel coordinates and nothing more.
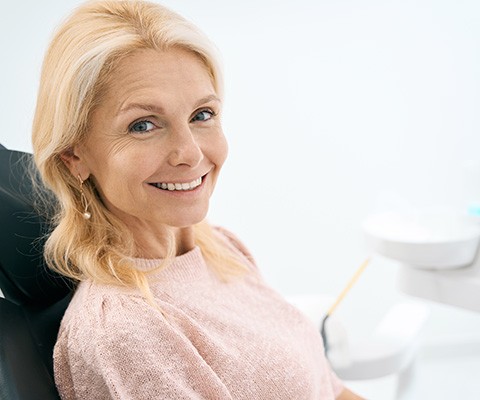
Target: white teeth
(179, 186)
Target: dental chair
(35, 298)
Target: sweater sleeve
(237, 245)
(130, 351)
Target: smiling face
(155, 145)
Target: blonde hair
(76, 69)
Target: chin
(186, 221)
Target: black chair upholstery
(35, 298)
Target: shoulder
(234, 243)
(100, 312)
(105, 323)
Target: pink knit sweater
(234, 340)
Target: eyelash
(205, 110)
(131, 130)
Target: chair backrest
(24, 278)
(35, 298)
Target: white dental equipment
(437, 252)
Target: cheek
(219, 151)
(123, 172)
(218, 155)
(121, 159)
(120, 186)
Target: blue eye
(141, 126)
(203, 115)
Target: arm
(348, 395)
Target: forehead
(163, 73)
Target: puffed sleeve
(121, 348)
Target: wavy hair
(82, 54)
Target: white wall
(335, 109)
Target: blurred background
(335, 110)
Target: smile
(178, 186)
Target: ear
(74, 161)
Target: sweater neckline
(190, 265)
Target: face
(155, 145)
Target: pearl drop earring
(85, 214)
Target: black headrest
(24, 277)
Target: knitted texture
(211, 340)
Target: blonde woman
(127, 134)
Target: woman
(127, 134)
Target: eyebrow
(159, 110)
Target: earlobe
(75, 163)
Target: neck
(184, 240)
(156, 245)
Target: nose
(184, 148)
